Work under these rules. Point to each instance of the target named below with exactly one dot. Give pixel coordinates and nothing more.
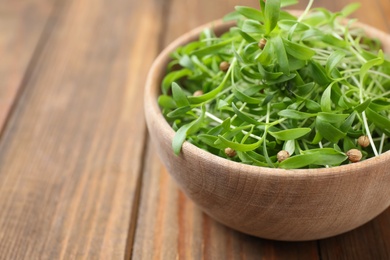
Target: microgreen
(281, 91)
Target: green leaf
(244, 116)
(252, 158)
(324, 156)
(281, 54)
(290, 134)
(240, 147)
(166, 101)
(295, 64)
(298, 51)
(179, 138)
(210, 140)
(294, 114)
(271, 14)
(266, 56)
(212, 49)
(268, 75)
(348, 144)
(179, 96)
(333, 60)
(246, 36)
(347, 124)
(173, 76)
(328, 131)
(286, 3)
(262, 5)
(332, 118)
(186, 62)
(317, 138)
(304, 90)
(179, 112)
(235, 131)
(371, 63)
(289, 146)
(312, 105)
(245, 98)
(289, 24)
(349, 9)
(250, 13)
(361, 107)
(181, 134)
(332, 40)
(209, 95)
(379, 120)
(251, 26)
(379, 105)
(326, 101)
(318, 73)
(281, 79)
(233, 16)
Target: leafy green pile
(281, 91)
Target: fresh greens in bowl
(279, 90)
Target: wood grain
(22, 26)
(71, 154)
(372, 13)
(169, 221)
(371, 241)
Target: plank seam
(319, 250)
(136, 201)
(164, 12)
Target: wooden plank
(70, 156)
(371, 241)
(22, 25)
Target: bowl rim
(152, 90)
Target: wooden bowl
(291, 205)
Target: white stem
(216, 119)
(369, 134)
(382, 143)
(306, 10)
(364, 117)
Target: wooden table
(79, 178)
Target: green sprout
(278, 90)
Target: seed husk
(282, 155)
(354, 155)
(262, 43)
(230, 152)
(198, 93)
(364, 141)
(224, 66)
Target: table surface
(79, 178)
